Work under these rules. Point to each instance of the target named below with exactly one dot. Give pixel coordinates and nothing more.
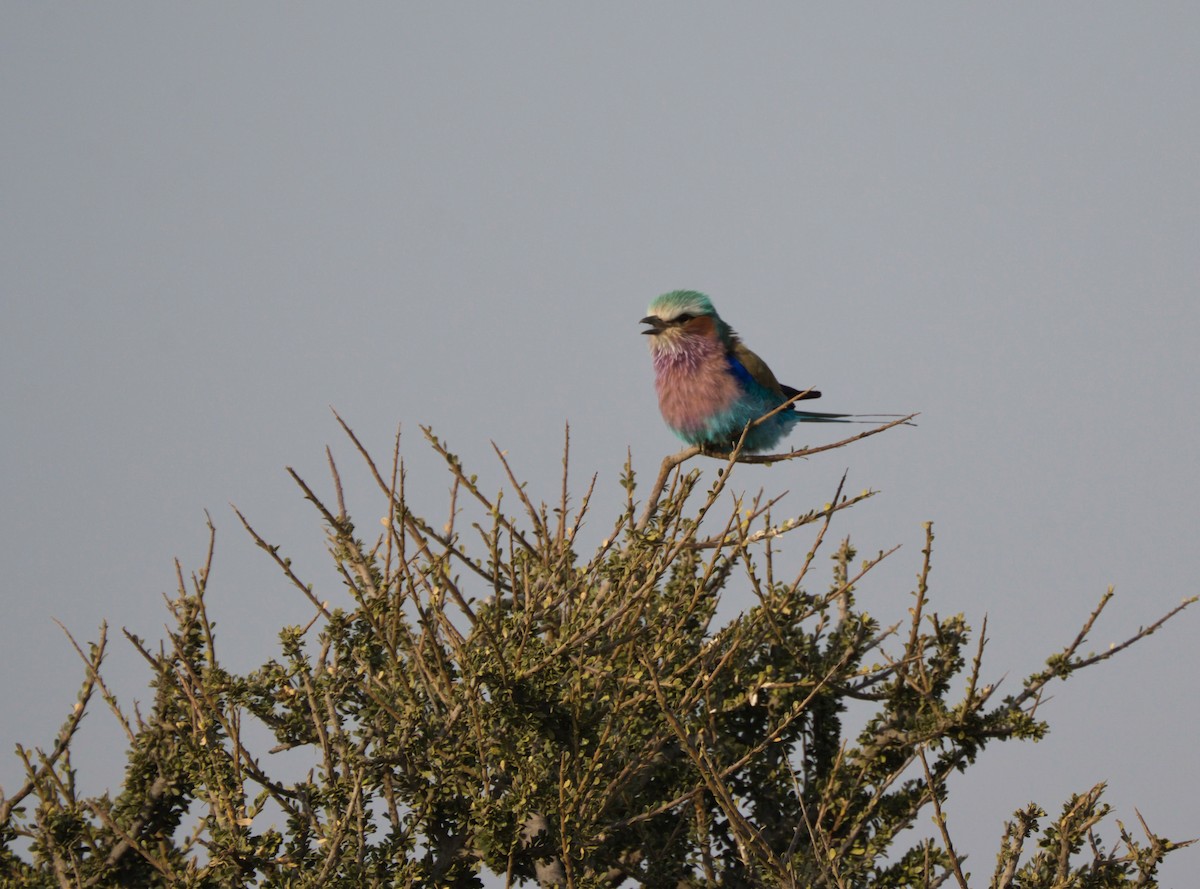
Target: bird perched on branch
(710, 385)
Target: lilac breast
(694, 383)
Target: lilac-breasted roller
(710, 385)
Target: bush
(494, 701)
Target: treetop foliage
(491, 700)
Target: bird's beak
(656, 324)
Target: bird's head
(681, 315)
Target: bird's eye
(684, 318)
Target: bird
(710, 385)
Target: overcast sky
(218, 221)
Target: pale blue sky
(220, 220)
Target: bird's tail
(819, 417)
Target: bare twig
(939, 818)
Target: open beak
(656, 325)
